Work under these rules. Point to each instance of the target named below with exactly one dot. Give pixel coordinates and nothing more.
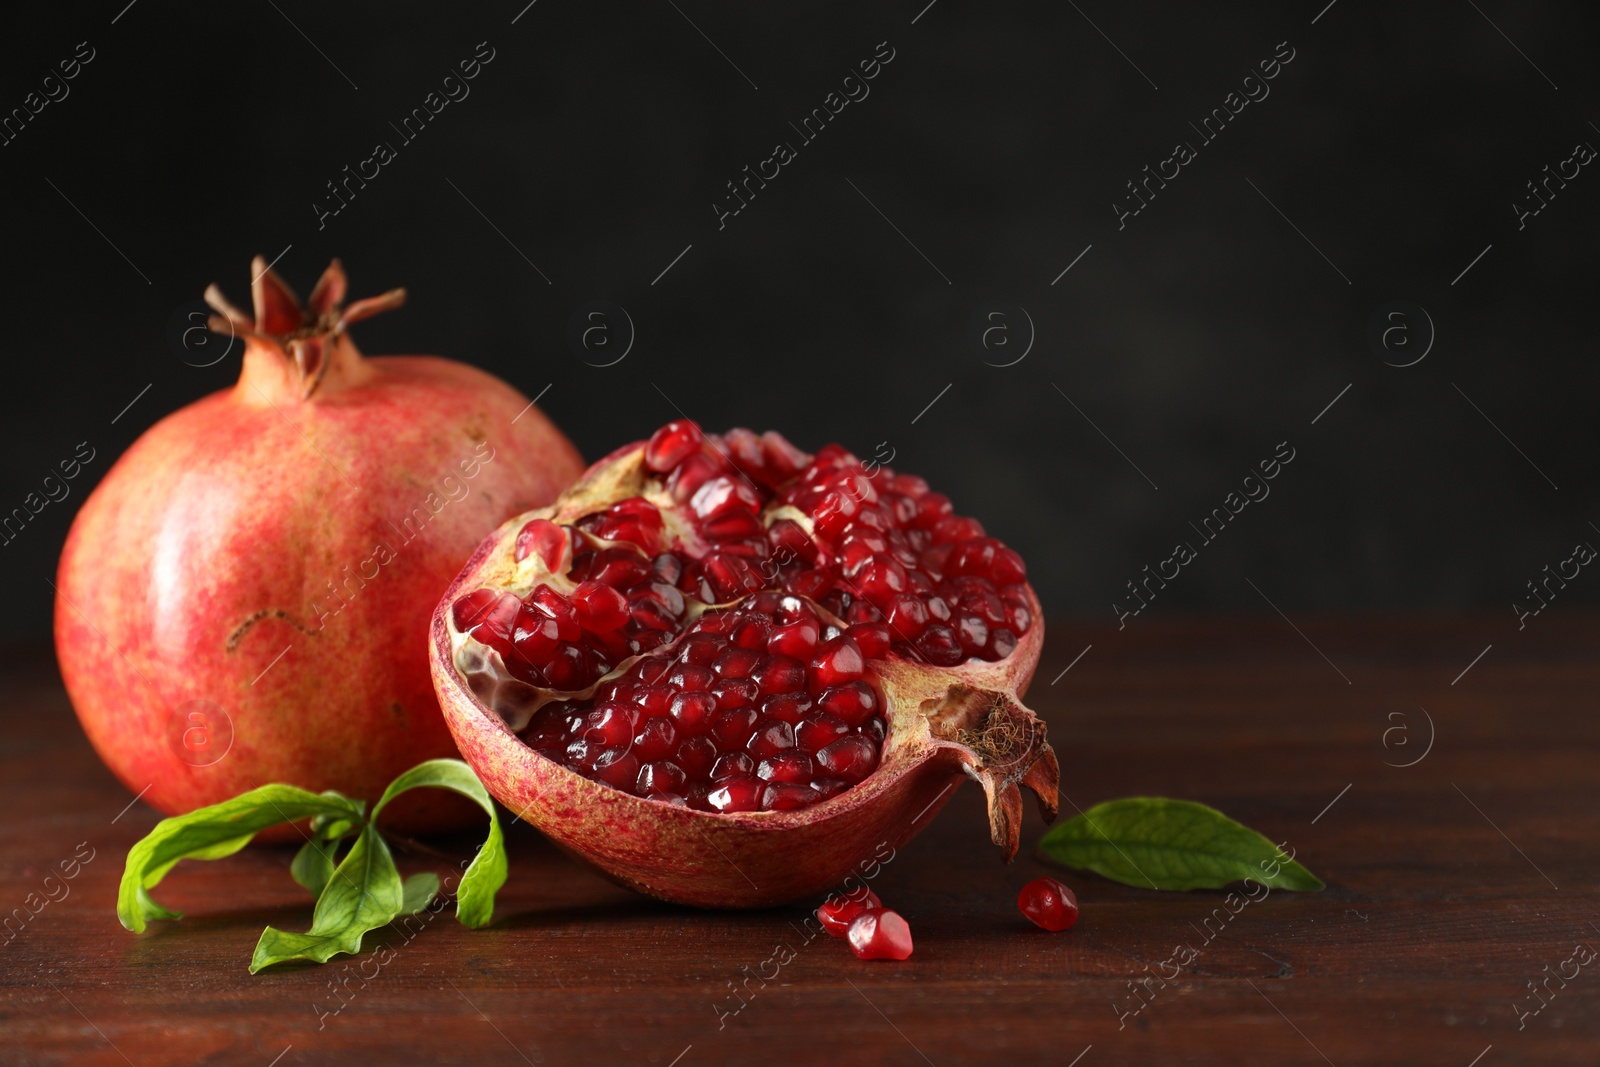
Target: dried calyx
(310, 338)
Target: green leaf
(313, 864)
(487, 872)
(418, 893)
(363, 894)
(210, 833)
(1160, 843)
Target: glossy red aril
(804, 647)
(1048, 904)
(242, 598)
(836, 912)
(672, 444)
(880, 935)
(545, 538)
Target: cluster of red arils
(708, 637)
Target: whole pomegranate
(727, 672)
(243, 598)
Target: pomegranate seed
(973, 633)
(545, 539)
(808, 583)
(634, 520)
(837, 911)
(879, 935)
(607, 726)
(729, 576)
(652, 699)
(955, 529)
(468, 611)
(567, 668)
(854, 702)
(790, 542)
(647, 614)
(580, 754)
(672, 444)
(738, 793)
(872, 638)
(902, 508)
(600, 608)
(837, 661)
(656, 739)
(931, 508)
(934, 560)
(535, 635)
(797, 640)
(789, 766)
(938, 645)
(786, 796)
(771, 737)
(723, 494)
(619, 568)
(860, 612)
(787, 707)
(829, 787)
(617, 767)
(834, 513)
(696, 756)
(689, 678)
(489, 617)
(736, 662)
(743, 448)
(753, 633)
(551, 603)
(851, 758)
(819, 731)
(700, 649)
(731, 729)
(1007, 567)
(694, 472)
(855, 553)
(732, 763)
(881, 579)
(783, 460)
(907, 617)
(1048, 904)
(660, 777)
(667, 568)
(779, 674)
(735, 693)
(718, 623)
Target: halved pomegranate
(726, 671)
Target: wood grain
(1453, 883)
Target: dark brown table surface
(1453, 884)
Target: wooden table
(1452, 884)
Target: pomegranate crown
(298, 333)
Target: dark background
(1197, 338)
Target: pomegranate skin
(204, 565)
(759, 859)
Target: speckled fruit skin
(754, 859)
(244, 505)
